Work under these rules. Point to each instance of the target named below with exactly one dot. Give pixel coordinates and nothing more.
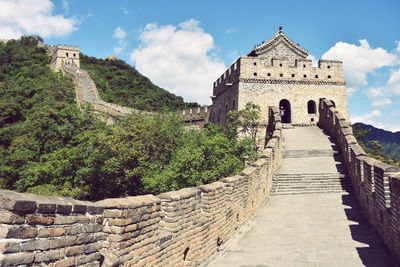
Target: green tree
(245, 123)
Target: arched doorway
(311, 107)
(285, 112)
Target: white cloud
(314, 60)
(125, 10)
(231, 30)
(382, 103)
(65, 6)
(375, 92)
(120, 35)
(368, 118)
(350, 91)
(393, 83)
(374, 118)
(359, 60)
(19, 17)
(179, 59)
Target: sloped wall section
(375, 184)
(178, 228)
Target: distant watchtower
(63, 53)
(278, 73)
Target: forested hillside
(378, 143)
(119, 83)
(48, 146)
(389, 141)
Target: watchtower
(64, 53)
(278, 73)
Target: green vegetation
(49, 147)
(371, 146)
(119, 83)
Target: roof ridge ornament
(278, 36)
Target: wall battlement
(178, 228)
(197, 116)
(375, 184)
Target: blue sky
(184, 46)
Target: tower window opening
(304, 76)
(255, 63)
(329, 67)
(280, 65)
(304, 65)
(293, 75)
(268, 74)
(311, 107)
(255, 74)
(329, 76)
(280, 75)
(316, 76)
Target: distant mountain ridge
(390, 141)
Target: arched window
(311, 107)
(234, 104)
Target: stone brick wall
(52, 231)
(375, 184)
(178, 228)
(198, 117)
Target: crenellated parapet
(177, 228)
(198, 117)
(375, 184)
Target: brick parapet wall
(375, 184)
(178, 228)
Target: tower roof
(279, 37)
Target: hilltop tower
(63, 53)
(278, 73)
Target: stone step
(309, 153)
(296, 192)
(309, 177)
(307, 186)
(321, 184)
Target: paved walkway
(306, 229)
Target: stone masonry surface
(179, 228)
(307, 225)
(186, 227)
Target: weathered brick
(39, 219)
(15, 259)
(18, 231)
(65, 262)
(9, 246)
(75, 250)
(44, 256)
(51, 232)
(10, 200)
(9, 217)
(35, 244)
(64, 241)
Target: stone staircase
(310, 169)
(307, 183)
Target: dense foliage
(390, 142)
(373, 147)
(119, 83)
(48, 146)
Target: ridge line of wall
(376, 185)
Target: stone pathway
(304, 226)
